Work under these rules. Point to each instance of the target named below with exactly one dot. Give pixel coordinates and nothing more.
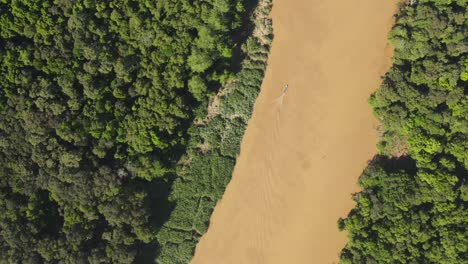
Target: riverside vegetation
(99, 101)
(413, 203)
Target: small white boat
(285, 89)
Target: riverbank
(300, 160)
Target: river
(300, 158)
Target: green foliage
(199, 61)
(214, 143)
(197, 87)
(412, 207)
(95, 102)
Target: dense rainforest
(413, 203)
(109, 111)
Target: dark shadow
(395, 164)
(147, 253)
(161, 208)
(54, 222)
(160, 190)
(461, 172)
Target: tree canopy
(413, 203)
(96, 100)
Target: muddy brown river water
(300, 159)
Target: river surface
(302, 153)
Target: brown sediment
(300, 161)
